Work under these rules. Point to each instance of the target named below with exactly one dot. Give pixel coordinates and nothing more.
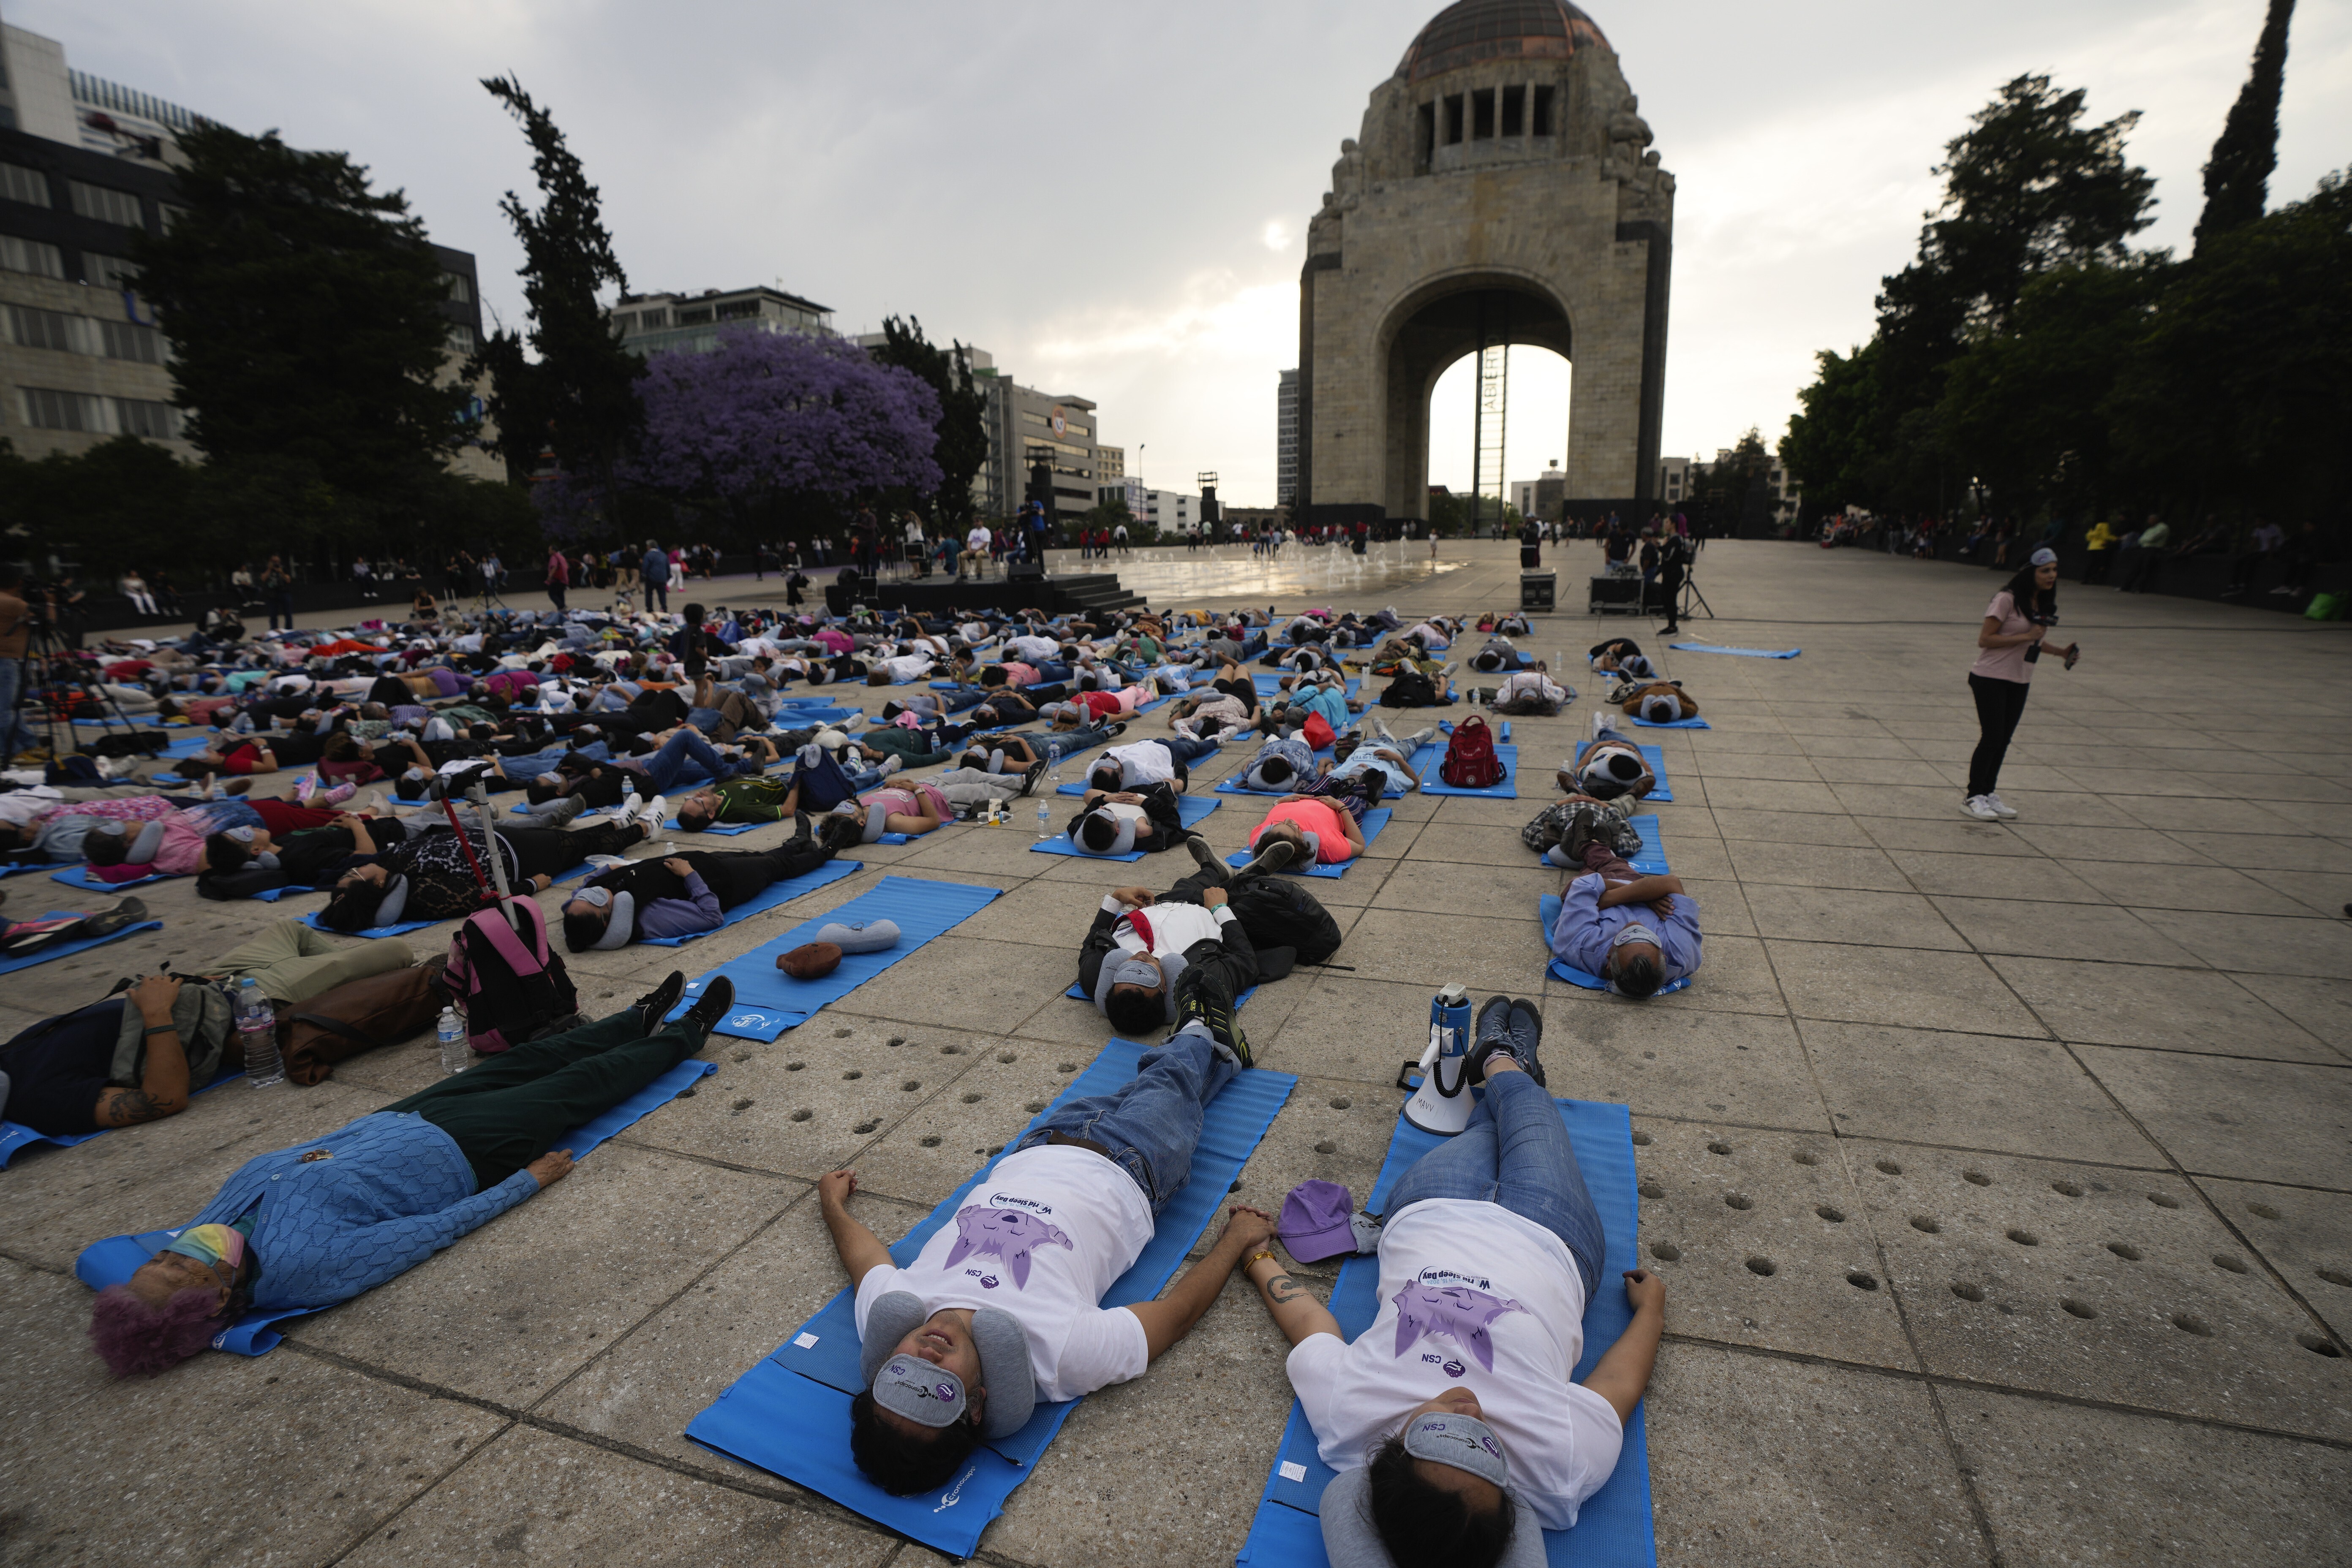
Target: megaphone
(1442, 1103)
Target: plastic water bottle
(256, 1031)
(456, 1054)
(1044, 821)
(1053, 769)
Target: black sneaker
(1490, 1034)
(655, 1005)
(1197, 1000)
(1032, 776)
(1273, 857)
(718, 999)
(803, 829)
(1527, 1036)
(1206, 858)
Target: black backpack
(1411, 688)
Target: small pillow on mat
(811, 961)
(865, 936)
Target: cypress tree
(2237, 179)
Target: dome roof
(1472, 32)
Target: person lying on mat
(1112, 823)
(190, 841)
(1280, 763)
(681, 894)
(1322, 822)
(756, 800)
(1212, 714)
(1451, 1420)
(1391, 759)
(114, 1064)
(1608, 765)
(1660, 701)
(1002, 1309)
(1161, 760)
(1638, 932)
(1325, 694)
(1612, 653)
(1498, 655)
(322, 1221)
(1530, 692)
(1138, 944)
(922, 805)
(434, 876)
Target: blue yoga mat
(1546, 913)
(111, 1261)
(24, 868)
(80, 876)
(15, 1137)
(65, 949)
(1189, 810)
(1736, 652)
(770, 897)
(768, 1001)
(1507, 790)
(1663, 793)
(717, 830)
(802, 717)
(1374, 821)
(1614, 1528)
(1674, 724)
(790, 1414)
(272, 894)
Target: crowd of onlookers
(2115, 552)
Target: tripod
(1692, 597)
(51, 667)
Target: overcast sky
(1112, 199)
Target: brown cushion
(811, 961)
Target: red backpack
(509, 987)
(1470, 761)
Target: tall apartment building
(1110, 463)
(1285, 440)
(650, 323)
(1023, 424)
(85, 164)
(1541, 497)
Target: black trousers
(550, 852)
(2000, 704)
(507, 1110)
(736, 875)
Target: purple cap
(1315, 1222)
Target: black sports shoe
(1494, 1034)
(1527, 1036)
(1210, 866)
(655, 1005)
(1032, 776)
(1197, 998)
(716, 1002)
(1270, 858)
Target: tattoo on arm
(124, 1107)
(1282, 1289)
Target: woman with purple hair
(318, 1223)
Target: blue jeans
(13, 735)
(1515, 1153)
(681, 751)
(1151, 1123)
(523, 770)
(1185, 750)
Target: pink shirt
(2005, 663)
(1331, 845)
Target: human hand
(1212, 898)
(2037, 633)
(1133, 898)
(1246, 1229)
(154, 997)
(551, 1167)
(834, 1188)
(1643, 1288)
(676, 866)
(1662, 906)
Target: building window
(1543, 112)
(155, 421)
(44, 330)
(31, 256)
(1515, 110)
(19, 183)
(106, 203)
(1481, 114)
(129, 340)
(47, 409)
(698, 316)
(625, 323)
(1453, 120)
(461, 339)
(108, 271)
(459, 289)
(652, 320)
(1426, 146)
(738, 309)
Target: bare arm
(1641, 890)
(1292, 1306)
(1172, 1317)
(1624, 1369)
(164, 1085)
(861, 1250)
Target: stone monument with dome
(1502, 189)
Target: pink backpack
(511, 986)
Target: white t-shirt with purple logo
(1476, 1296)
(1043, 1237)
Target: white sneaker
(855, 721)
(891, 763)
(655, 814)
(1600, 725)
(1980, 808)
(626, 811)
(2000, 808)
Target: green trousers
(293, 963)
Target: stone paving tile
(2262, 1121)
(2064, 931)
(2322, 1006)
(2063, 1485)
(2014, 878)
(1840, 914)
(2172, 1009)
(1756, 1460)
(1738, 1068)
(2307, 1236)
(1902, 986)
(1987, 1273)
(2262, 944)
(1944, 836)
(2218, 889)
(552, 1499)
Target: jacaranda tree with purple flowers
(770, 421)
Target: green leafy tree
(964, 414)
(308, 345)
(575, 392)
(2238, 175)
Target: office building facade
(652, 323)
(1025, 425)
(1286, 439)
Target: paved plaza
(2001, 1175)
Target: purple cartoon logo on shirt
(1458, 1312)
(1003, 1233)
